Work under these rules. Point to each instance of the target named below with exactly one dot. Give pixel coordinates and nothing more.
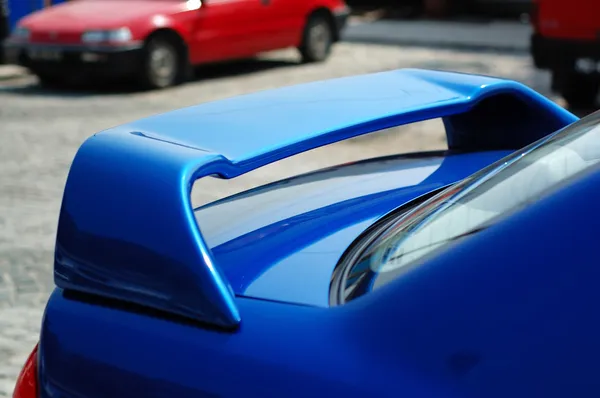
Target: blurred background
(48, 106)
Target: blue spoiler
(127, 230)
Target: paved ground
(41, 131)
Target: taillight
(27, 386)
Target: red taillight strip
(27, 385)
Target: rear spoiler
(127, 230)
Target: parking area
(41, 131)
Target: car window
(466, 208)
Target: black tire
(317, 39)
(161, 64)
(579, 90)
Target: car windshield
(469, 207)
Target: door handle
(265, 2)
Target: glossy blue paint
(287, 251)
(280, 350)
(508, 312)
(514, 307)
(127, 230)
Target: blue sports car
(468, 272)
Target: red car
(158, 42)
(566, 41)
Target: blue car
(468, 272)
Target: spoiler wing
(127, 229)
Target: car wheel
(161, 66)
(317, 39)
(580, 91)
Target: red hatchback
(159, 41)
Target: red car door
(283, 23)
(227, 29)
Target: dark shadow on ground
(457, 12)
(242, 67)
(94, 88)
(464, 48)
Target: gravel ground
(41, 130)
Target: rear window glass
(468, 207)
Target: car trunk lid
(282, 241)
